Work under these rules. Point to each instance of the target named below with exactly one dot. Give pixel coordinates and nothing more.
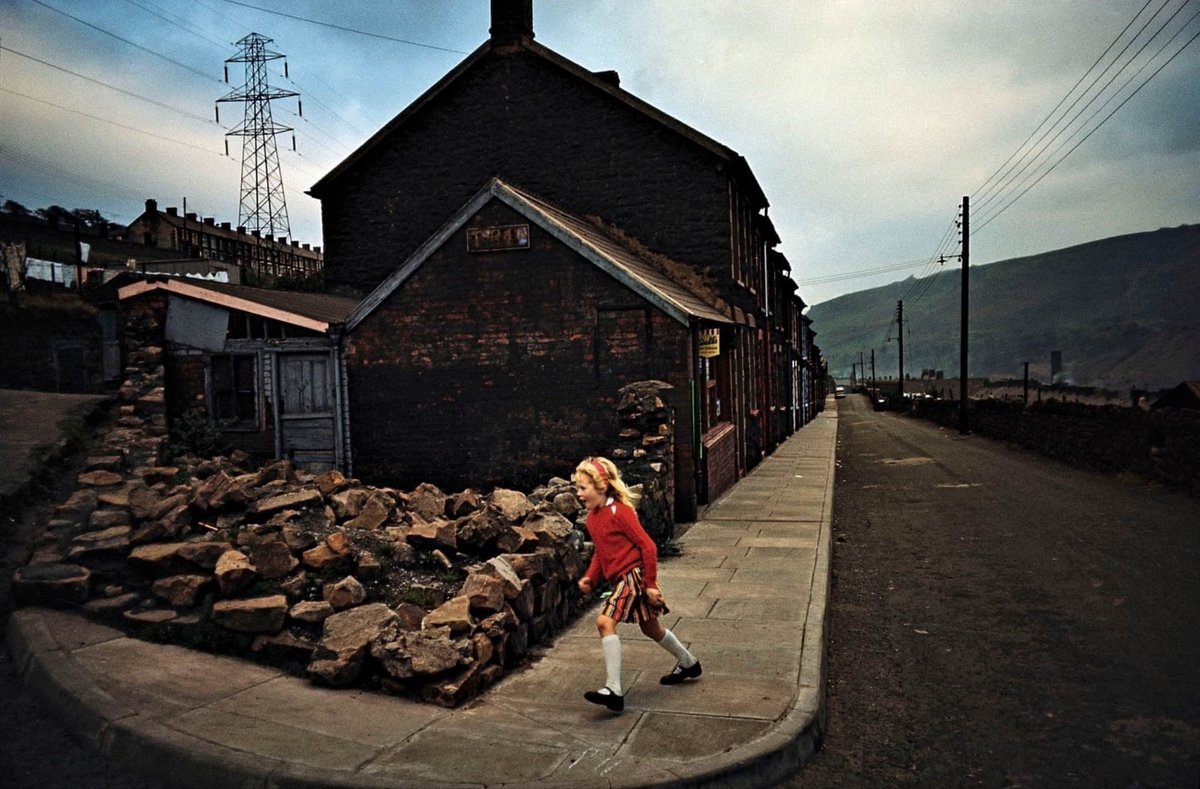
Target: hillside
(1124, 311)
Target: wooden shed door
(307, 410)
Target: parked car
(839, 392)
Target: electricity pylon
(263, 207)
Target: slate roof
(628, 267)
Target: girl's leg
(610, 643)
(667, 640)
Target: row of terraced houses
(519, 243)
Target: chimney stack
(512, 21)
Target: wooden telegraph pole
(962, 361)
(900, 323)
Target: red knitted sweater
(621, 544)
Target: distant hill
(1124, 311)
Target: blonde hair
(605, 475)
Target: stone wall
(419, 592)
(645, 453)
(1161, 445)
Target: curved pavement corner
(749, 595)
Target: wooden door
(307, 410)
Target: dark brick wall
(520, 118)
(720, 457)
(512, 360)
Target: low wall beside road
(1162, 445)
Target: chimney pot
(172, 211)
(611, 77)
(190, 217)
(151, 205)
(209, 220)
(225, 226)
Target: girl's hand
(585, 585)
(655, 597)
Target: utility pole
(900, 321)
(1025, 390)
(872, 371)
(962, 361)
(862, 368)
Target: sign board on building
(497, 238)
(710, 343)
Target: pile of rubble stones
(423, 593)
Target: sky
(866, 123)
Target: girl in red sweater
(626, 555)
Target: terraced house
(537, 237)
(525, 239)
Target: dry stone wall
(420, 592)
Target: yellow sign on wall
(710, 343)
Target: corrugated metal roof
(313, 310)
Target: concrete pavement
(748, 595)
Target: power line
(107, 85)
(37, 163)
(1097, 126)
(861, 273)
(1033, 164)
(346, 29)
(185, 28)
(127, 41)
(1041, 157)
(978, 192)
(105, 120)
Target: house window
(234, 387)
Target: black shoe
(679, 674)
(608, 699)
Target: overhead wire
(984, 221)
(1033, 165)
(110, 122)
(986, 196)
(1026, 167)
(978, 193)
(343, 28)
(95, 81)
(99, 29)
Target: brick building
(258, 258)
(501, 365)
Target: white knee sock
(670, 643)
(612, 662)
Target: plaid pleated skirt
(628, 602)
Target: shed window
(234, 387)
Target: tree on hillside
(13, 208)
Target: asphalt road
(1003, 620)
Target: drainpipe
(341, 422)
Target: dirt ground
(1002, 620)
